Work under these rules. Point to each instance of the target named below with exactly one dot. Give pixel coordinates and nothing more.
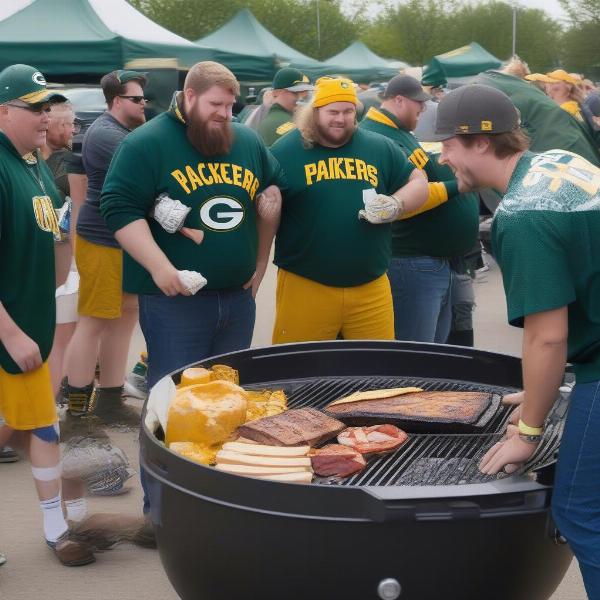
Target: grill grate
(426, 459)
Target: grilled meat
(301, 426)
(377, 439)
(335, 460)
(455, 407)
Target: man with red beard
(332, 265)
(214, 171)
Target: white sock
(76, 509)
(54, 520)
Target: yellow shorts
(310, 311)
(100, 279)
(26, 399)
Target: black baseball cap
(475, 108)
(407, 86)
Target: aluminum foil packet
(192, 280)
(170, 213)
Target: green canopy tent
(88, 38)
(465, 61)
(548, 125)
(244, 35)
(357, 62)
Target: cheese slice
(290, 477)
(259, 471)
(237, 458)
(261, 450)
(375, 395)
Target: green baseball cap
(26, 83)
(125, 76)
(292, 80)
(475, 108)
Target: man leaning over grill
(332, 265)
(546, 238)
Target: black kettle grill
(419, 524)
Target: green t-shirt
(276, 123)
(546, 238)
(28, 225)
(450, 229)
(320, 236)
(221, 190)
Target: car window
(86, 99)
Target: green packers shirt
(320, 236)
(276, 123)
(546, 238)
(450, 229)
(221, 190)
(28, 226)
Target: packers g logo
(38, 78)
(45, 215)
(222, 213)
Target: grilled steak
(443, 407)
(335, 460)
(293, 428)
(377, 439)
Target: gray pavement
(133, 573)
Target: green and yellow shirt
(320, 236)
(221, 190)
(546, 238)
(28, 226)
(448, 224)
(277, 123)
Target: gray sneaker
(8, 455)
(2, 559)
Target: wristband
(526, 430)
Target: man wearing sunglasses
(28, 228)
(107, 316)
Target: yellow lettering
(254, 188)
(334, 168)
(349, 164)
(214, 171)
(372, 175)
(181, 180)
(206, 180)
(225, 173)
(237, 175)
(361, 169)
(310, 171)
(419, 158)
(248, 180)
(193, 177)
(322, 172)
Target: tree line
(411, 30)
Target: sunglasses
(37, 109)
(135, 99)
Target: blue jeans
(576, 498)
(421, 295)
(181, 330)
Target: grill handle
(432, 511)
(461, 509)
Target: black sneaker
(110, 408)
(8, 455)
(81, 400)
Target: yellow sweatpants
(310, 311)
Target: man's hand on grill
(508, 455)
(514, 398)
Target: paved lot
(133, 573)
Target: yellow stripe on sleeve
(437, 195)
